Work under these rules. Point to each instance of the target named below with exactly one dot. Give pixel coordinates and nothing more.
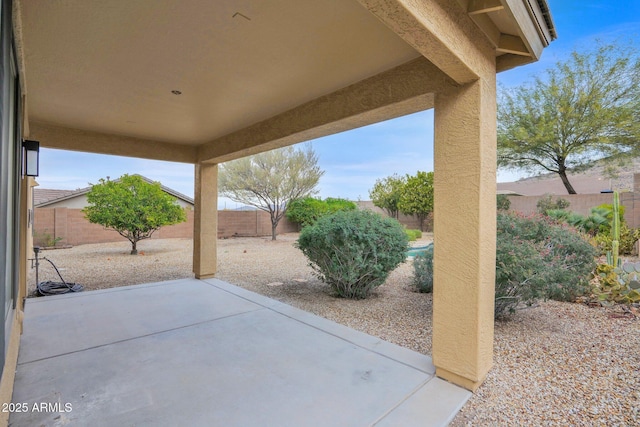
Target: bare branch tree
(269, 181)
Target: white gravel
(554, 364)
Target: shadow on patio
(192, 352)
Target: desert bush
(628, 237)
(549, 203)
(354, 251)
(413, 234)
(335, 204)
(519, 268)
(536, 258)
(423, 270)
(568, 259)
(308, 210)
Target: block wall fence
(69, 227)
(582, 203)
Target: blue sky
(354, 160)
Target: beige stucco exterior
(17, 314)
(200, 83)
(205, 227)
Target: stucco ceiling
(111, 66)
(226, 78)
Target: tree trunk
(273, 230)
(565, 181)
(134, 249)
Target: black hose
(57, 288)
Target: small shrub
(548, 203)
(502, 202)
(423, 270)
(45, 239)
(354, 251)
(628, 237)
(413, 235)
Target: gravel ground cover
(554, 364)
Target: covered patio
(208, 82)
(207, 353)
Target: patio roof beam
(477, 7)
(405, 89)
(512, 44)
(65, 138)
(440, 30)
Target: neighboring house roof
(509, 193)
(43, 197)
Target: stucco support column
(465, 232)
(205, 218)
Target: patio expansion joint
(274, 309)
(397, 405)
(140, 336)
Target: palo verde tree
(269, 181)
(386, 193)
(133, 207)
(584, 109)
(416, 196)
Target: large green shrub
(536, 258)
(567, 258)
(413, 234)
(335, 204)
(354, 251)
(308, 210)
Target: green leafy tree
(585, 109)
(416, 197)
(270, 181)
(133, 207)
(386, 193)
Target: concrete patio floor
(206, 353)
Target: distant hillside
(591, 181)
